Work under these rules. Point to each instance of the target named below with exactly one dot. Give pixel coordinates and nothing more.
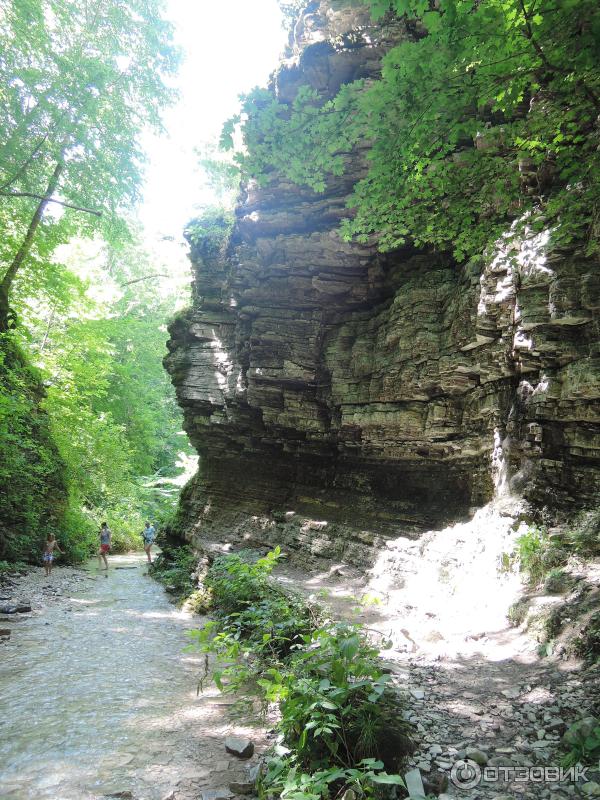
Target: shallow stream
(97, 696)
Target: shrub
(537, 555)
(33, 492)
(340, 722)
(236, 581)
(174, 568)
(586, 534)
(518, 611)
(557, 581)
(583, 741)
(336, 705)
(77, 536)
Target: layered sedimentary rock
(375, 394)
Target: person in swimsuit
(49, 548)
(105, 542)
(148, 535)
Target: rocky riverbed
(98, 696)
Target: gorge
(339, 396)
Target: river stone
(8, 609)
(4, 632)
(243, 748)
(127, 795)
(217, 794)
(23, 608)
(476, 755)
(414, 783)
(242, 787)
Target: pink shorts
(104, 548)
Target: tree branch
(51, 200)
(145, 278)
(25, 164)
(6, 315)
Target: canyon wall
(338, 396)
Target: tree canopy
(79, 82)
(485, 112)
(89, 426)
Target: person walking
(148, 535)
(105, 543)
(50, 547)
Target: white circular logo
(465, 774)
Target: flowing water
(97, 696)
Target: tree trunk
(23, 251)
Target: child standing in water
(50, 547)
(105, 542)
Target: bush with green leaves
(174, 568)
(537, 554)
(341, 725)
(10, 568)
(583, 741)
(337, 706)
(585, 535)
(239, 579)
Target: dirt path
(97, 696)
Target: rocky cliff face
(365, 394)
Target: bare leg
(46, 568)
(103, 555)
(147, 548)
(50, 563)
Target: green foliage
(287, 781)
(583, 739)
(174, 568)
(237, 581)
(518, 611)
(211, 230)
(483, 113)
(537, 555)
(33, 494)
(557, 581)
(340, 721)
(79, 84)
(585, 534)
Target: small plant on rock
(583, 741)
(537, 555)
